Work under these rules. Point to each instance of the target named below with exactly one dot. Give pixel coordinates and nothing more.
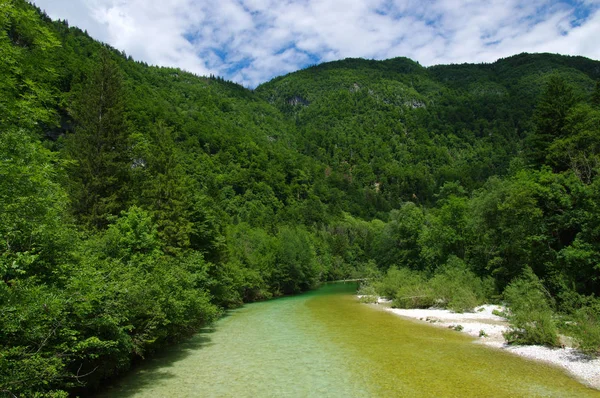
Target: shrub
(458, 288)
(454, 286)
(392, 281)
(586, 329)
(499, 313)
(417, 294)
(407, 288)
(411, 289)
(530, 316)
(368, 299)
(368, 293)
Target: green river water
(326, 344)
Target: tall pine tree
(99, 145)
(550, 117)
(163, 187)
(596, 95)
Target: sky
(252, 41)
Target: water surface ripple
(326, 344)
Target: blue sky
(252, 41)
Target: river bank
(488, 328)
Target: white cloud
(251, 41)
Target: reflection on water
(326, 344)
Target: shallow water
(326, 344)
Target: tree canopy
(137, 202)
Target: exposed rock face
(297, 100)
(414, 104)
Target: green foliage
(596, 95)
(550, 117)
(350, 246)
(27, 67)
(296, 269)
(457, 288)
(553, 107)
(392, 280)
(398, 242)
(252, 253)
(33, 318)
(368, 293)
(99, 146)
(132, 238)
(524, 219)
(261, 265)
(164, 188)
(579, 149)
(407, 288)
(453, 286)
(193, 194)
(445, 230)
(133, 298)
(33, 231)
(531, 317)
(586, 327)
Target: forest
(139, 203)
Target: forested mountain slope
(137, 202)
(403, 130)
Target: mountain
(138, 202)
(403, 130)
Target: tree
(579, 149)
(596, 95)
(399, 240)
(444, 231)
(99, 145)
(27, 70)
(506, 224)
(550, 117)
(164, 188)
(531, 313)
(33, 237)
(296, 268)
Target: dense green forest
(137, 203)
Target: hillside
(403, 130)
(138, 202)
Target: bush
(458, 288)
(407, 288)
(530, 316)
(391, 282)
(454, 286)
(586, 329)
(368, 293)
(30, 316)
(417, 294)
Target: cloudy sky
(251, 41)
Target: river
(326, 344)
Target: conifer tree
(550, 117)
(596, 95)
(99, 145)
(163, 185)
